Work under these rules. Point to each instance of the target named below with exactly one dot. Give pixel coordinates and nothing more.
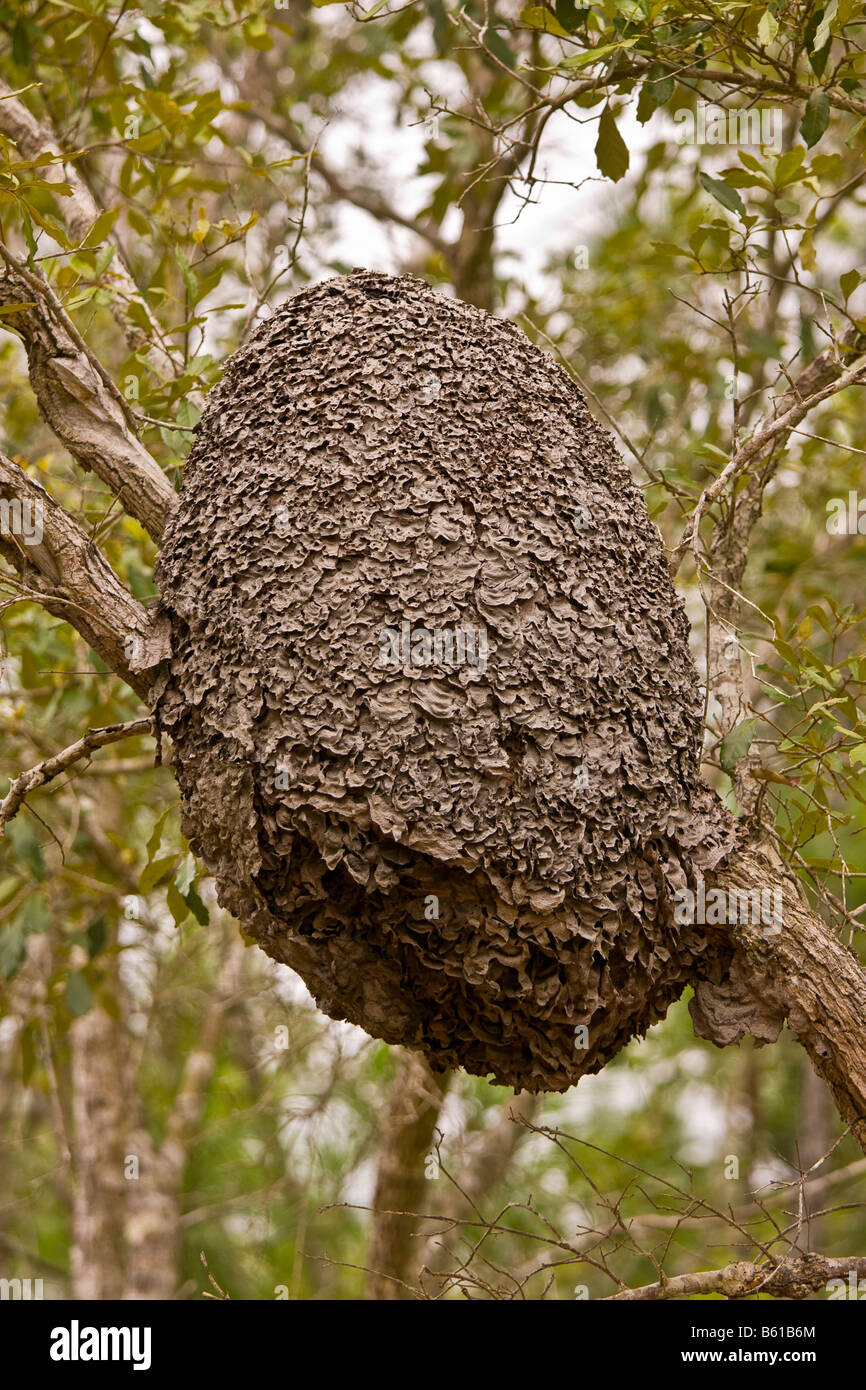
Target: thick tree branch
(65, 572)
(800, 974)
(80, 403)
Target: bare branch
(822, 378)
(365, 199)
(27, 782)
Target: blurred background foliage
(240, 152)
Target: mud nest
(435, 721)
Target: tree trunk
(99, 1112)
(405, 1140)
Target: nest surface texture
(436, 725)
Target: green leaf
(9, 886)
(25, 847)
(849, 282)
(858, 754)
(79, 998)
(611, 151)
(21, 44)
(12, 948)
(570, 16)
(196, 906)
(540, 17)
(101, 228)
(806, 252)
(727, 196)
(789, 168)
(822, 33)
(670, 248)
(156, 836)
(736, 744)
(96, 936)
(188, 413)
(594, 55)
(713, 452)
(857, 135)
(155, 872)
(499, 48)
(816, 118)
(768, 28)
(35, 917)
(177, 905)
(143, 144)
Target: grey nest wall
(435, 721)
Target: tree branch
(822, 378)
(800, 973)
(405, 1138)
(65, 572)
(485, 1166)
(27, 782)
(79, 401)
(795, 1278)
(365, 199)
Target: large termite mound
(435, 721)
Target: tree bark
(802, 975)
(99, 1112)
(405, 1139)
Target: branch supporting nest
(64, 572)
(796, 971)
